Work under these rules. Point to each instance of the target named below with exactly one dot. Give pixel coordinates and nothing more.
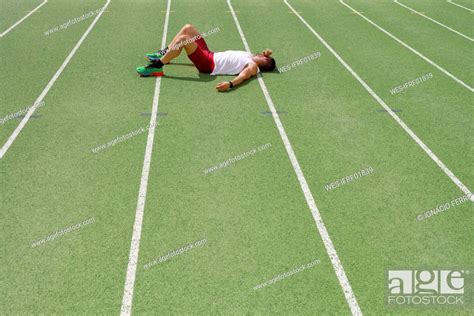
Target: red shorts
(202, 57)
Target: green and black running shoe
(150, 71)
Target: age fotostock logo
(426, 287)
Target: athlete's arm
(247, 73)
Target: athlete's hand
(223, 86)
(267, 52)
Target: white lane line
(433, 20)
(470, 10)
(389, 110)
(411, 49)
(127, 300)
(22, 19)
(331, 251)
(43, 94)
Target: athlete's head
(264, 60)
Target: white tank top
(230, 62)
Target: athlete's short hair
(269, 64)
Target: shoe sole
(154, 74)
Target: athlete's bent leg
(183, 41)
(187, 29)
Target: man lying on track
(244, 65)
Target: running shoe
(150, 71)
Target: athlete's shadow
(201, 78)
(181, 64)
